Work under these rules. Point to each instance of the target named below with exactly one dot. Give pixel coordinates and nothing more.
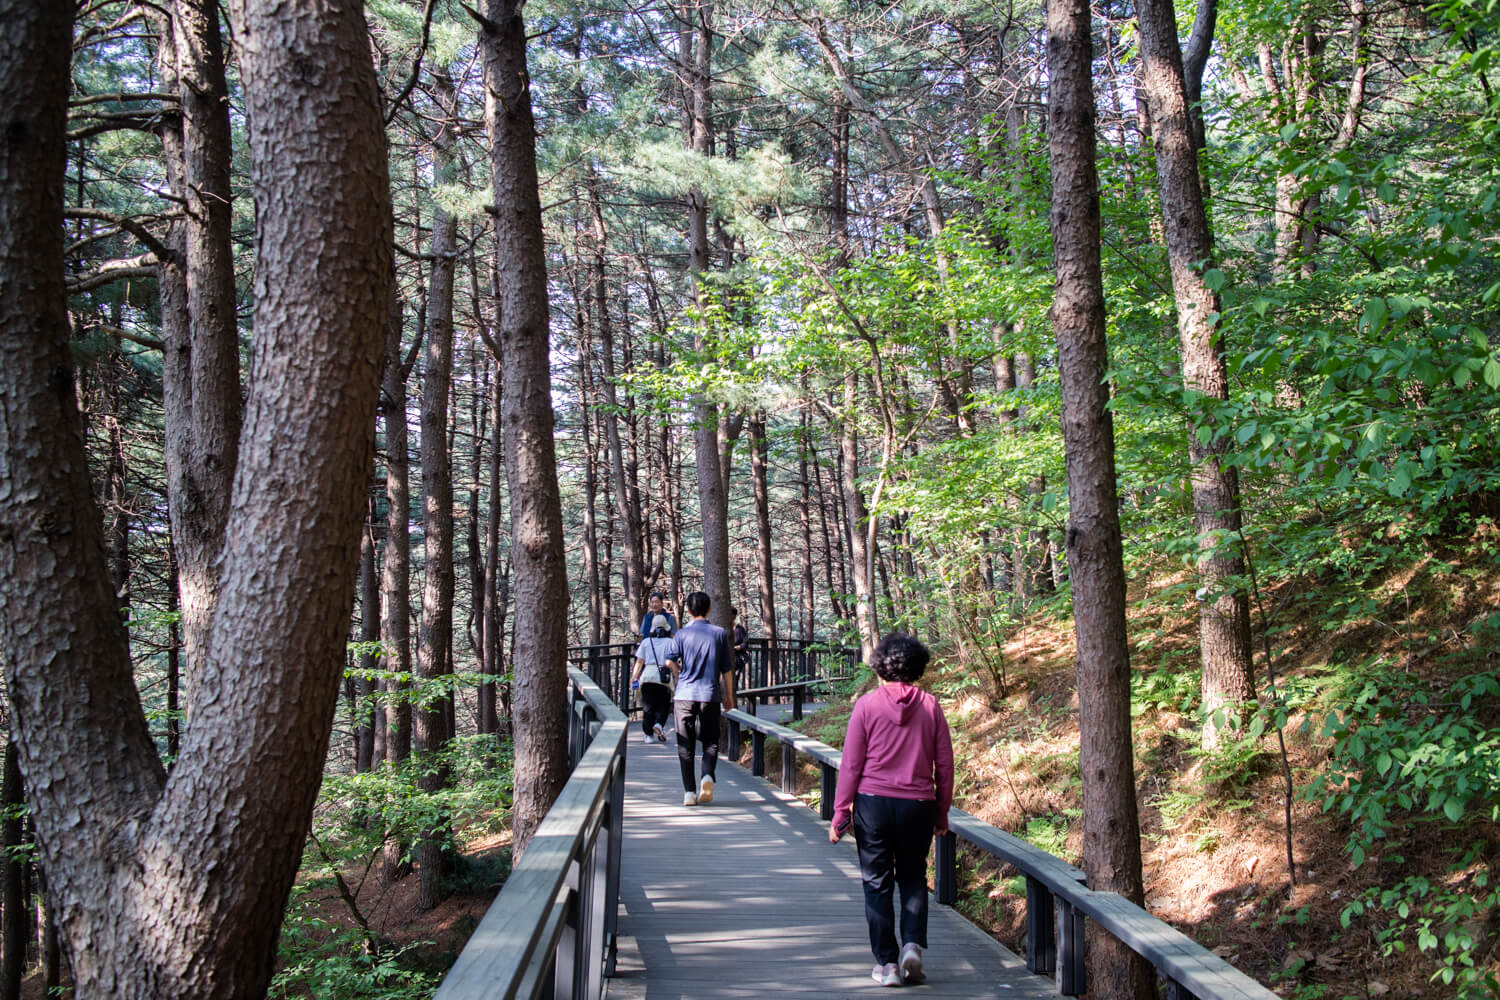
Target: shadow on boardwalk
(746, 898)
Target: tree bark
(540, 646)
(175, 887)
(1224, 605)
(1111, 831)
(861, 551)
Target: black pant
(696, 720)
(893, 837)
(656, 706)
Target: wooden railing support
(1071, 978)
(1041, 933)
(828, 789)
(945, 861)
(757, 753)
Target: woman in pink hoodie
(895, 787)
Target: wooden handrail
(552, 930)
(1057, 898)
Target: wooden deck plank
(746, 898)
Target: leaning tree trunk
(175, 887)
(1224, 605)
(540, 648)
(1111, 830)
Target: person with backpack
(652, 677)
(895, 787)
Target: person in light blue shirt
(653, 679)
(702, 653)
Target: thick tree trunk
(174, 888)
(201, 362)
(1224, 605)
(1111, 832)
(541, 584)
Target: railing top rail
(1172, 952)
(507, 942)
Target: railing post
(797, 694)
(1041, 934)
(829, 790)
(945, 862)
(788, 769)
(565, 958)
(616, 850)
(1176, 991)
(757, 752)
(733, 749)
(1071, 980)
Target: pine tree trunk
(1111, 832)
(369, 633)
(200, 372)
(1224, 604)
(759, 460)
(395, 577)
(539, 652)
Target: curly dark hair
(900, 657)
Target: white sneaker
(911, 963)
(689, 799)
(706, 790)
(646, 739)
(886, 975)
(661, 737)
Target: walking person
(701, 651)
(895, 786)
(653, 678)
(657, 615)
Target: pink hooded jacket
(898, 745)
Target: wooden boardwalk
(746, 898)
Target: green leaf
(1492, 373)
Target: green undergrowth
(330, 944)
